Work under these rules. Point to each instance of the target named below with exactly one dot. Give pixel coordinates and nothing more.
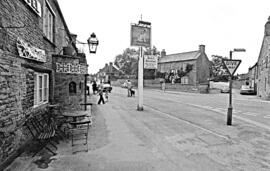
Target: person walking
(94, 87)
(100, 93)
(163, 85)
(129, 86)
(107, 95)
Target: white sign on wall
(71, 68)
(28, 51)
(150, 61)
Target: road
(189, 130)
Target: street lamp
(229, 114)
(92, 43)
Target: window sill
(48, 40)
(40, 104)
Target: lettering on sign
(150, 61)
(231, 65)
(71, 68)
(28, 51)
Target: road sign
(231, 65)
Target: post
(230, 108)
(85, 94)
(140, 80)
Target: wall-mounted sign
(140, 36)
(35, 5)
(28, 51)
(150, 61)
(71, 68)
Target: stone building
(109, 72)
(39, 64)
(197, 60)
(263, 65)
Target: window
(35, 5)
(41, 88)
(48, 22)
(72, 88)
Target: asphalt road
(195, 125)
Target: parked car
(107, 87)
(246, 89)
(225, 89)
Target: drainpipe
(85, 88)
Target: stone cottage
(196, 61)
(39, 65)
(263, 65)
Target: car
(107, 87)
(225, 89)
(247, 90)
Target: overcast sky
(177, 26)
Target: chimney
(111, 67)
(163, 53)
(202, 48)
(267, 27)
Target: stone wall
(62, 81)
(200, 88)
(18, 20)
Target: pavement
(121, 138)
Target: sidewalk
(123, 139)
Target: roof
(180, 57)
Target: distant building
(253, 77)
(263, 64)
(109, 72)
(176, 63)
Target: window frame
(49, 22)
(41, 92)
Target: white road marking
(239, 117)
(189, 123)
(249, 114)
(267, 116)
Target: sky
(177, 26)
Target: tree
(126, 61)
(218, 70)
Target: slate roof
(180, 57)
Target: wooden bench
(42, 131)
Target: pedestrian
(129, 86)
(163, 86)
(94, 87)
(107, 95)
(100, 93)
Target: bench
(42, 131)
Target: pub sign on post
(150, 61)
(231, 65)
(140, 36)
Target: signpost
(231, 65)
(140, 36)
